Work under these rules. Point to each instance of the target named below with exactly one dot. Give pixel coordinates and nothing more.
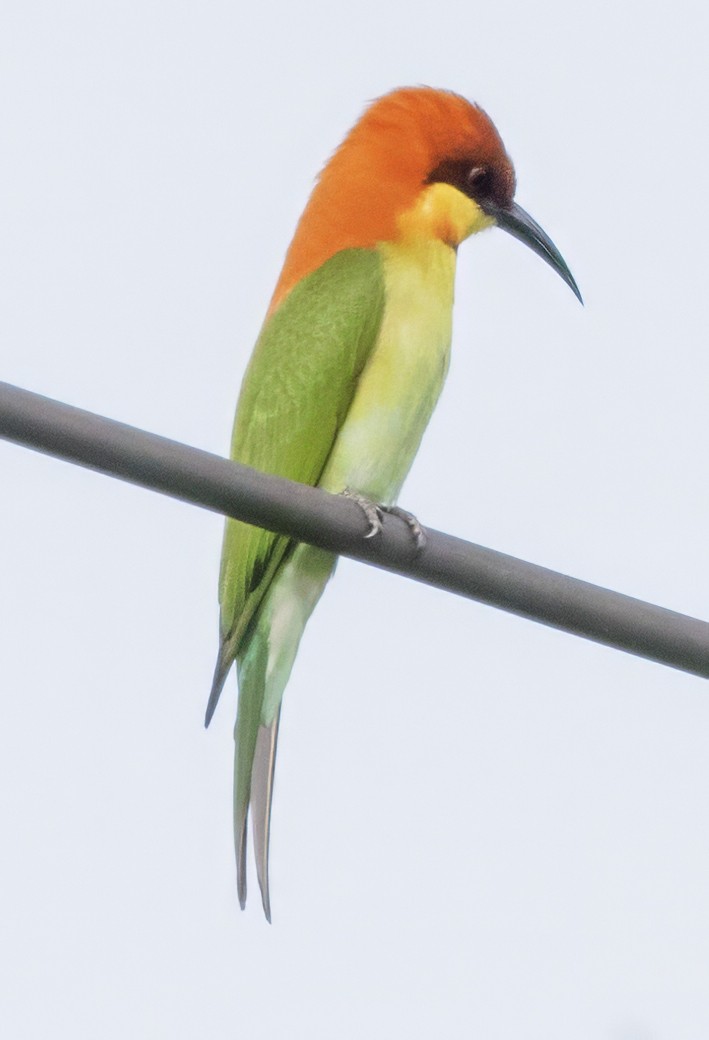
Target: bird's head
(419, 161)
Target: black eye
(479, 181)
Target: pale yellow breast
(401, 383)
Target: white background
(482, 828)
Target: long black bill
(518, 222)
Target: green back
(294, 398)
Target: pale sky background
(482, 828)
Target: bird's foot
(375, 514)
(418, 533)
(371, 510)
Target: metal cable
(336, 523)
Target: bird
(343, 379)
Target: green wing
(294, 398)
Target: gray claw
(371, 510)
(375, 514)
(418, 532)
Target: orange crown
(379, 169)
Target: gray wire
(336, 523)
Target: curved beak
(518, 222)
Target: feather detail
(379, 170)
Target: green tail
(264, 662)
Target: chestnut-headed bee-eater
(344, 377)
